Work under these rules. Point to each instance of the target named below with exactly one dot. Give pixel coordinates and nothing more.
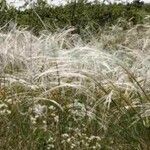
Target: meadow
(60, 91)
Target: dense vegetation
(60, 91)
(81, 15)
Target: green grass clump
(61, 92)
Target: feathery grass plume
(92, 94)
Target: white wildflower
(39, 110)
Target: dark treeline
(79, 14)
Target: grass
(61, 92)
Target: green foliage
(78, 14)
